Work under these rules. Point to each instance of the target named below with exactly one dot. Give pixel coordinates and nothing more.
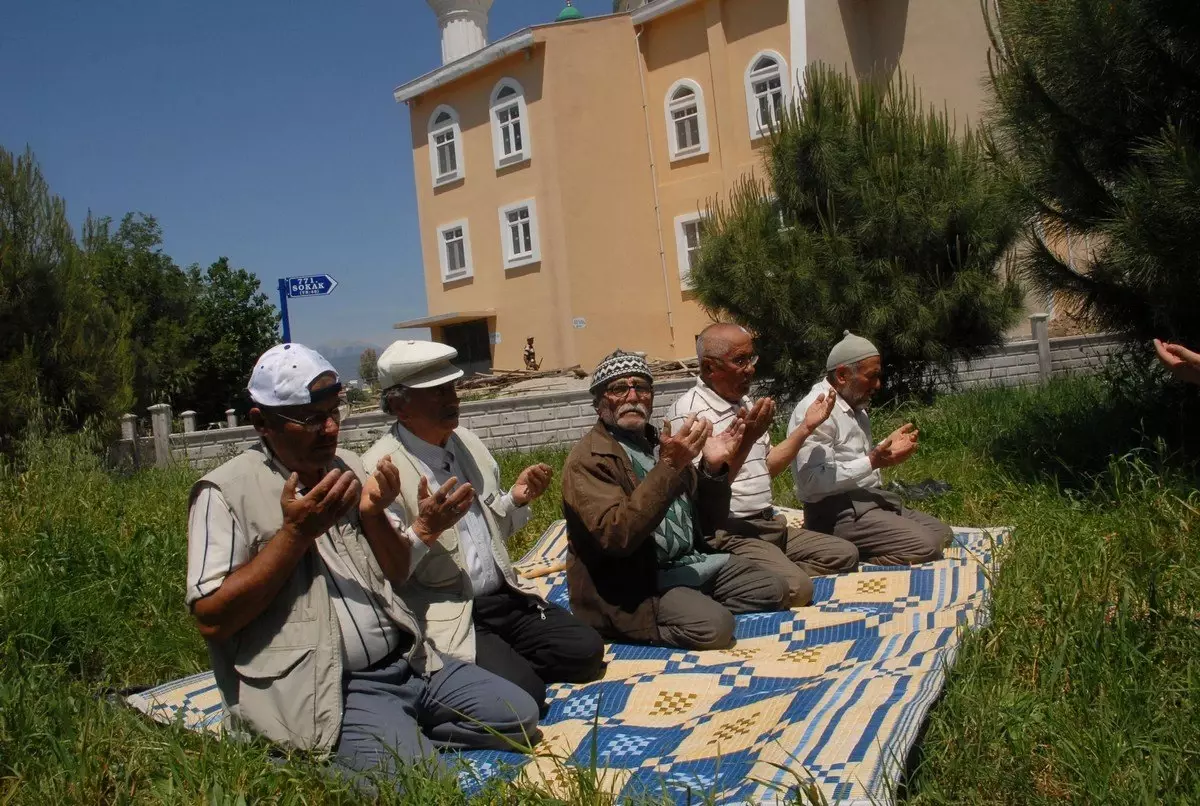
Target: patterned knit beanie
(850, 350)
(617, 364)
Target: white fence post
(160, 424)
(231, 418)
(189, 421)
(1039, 324)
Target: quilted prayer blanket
(830, 696)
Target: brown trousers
(885, 531)
(794, 554)
(702, 618)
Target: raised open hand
(819, 410)
(532, 482)
(1182, 362)
(678, 450)
(381, 489)
(438, 511)
(900, 444)
(759, 418)
(720, 448)
(311, 515)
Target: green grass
(1084, 689)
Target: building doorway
(471, 341)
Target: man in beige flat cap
(463, 589)
(837, 471)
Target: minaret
(464, 26)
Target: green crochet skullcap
(850, 350)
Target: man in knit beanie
(638, 514)
(837, 471)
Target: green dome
(569, 13)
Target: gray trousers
(885, 531)
(394, 716)
(794, 554)
(702, 618)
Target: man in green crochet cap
(837, 471)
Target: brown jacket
(612, 565)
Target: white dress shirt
(752, 486)
(438, 465)
(217, 546)
(834, 459)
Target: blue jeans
(392, 715)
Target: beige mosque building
(561, 171)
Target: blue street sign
(316, 285)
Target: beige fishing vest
(281, 675)
(438, 591)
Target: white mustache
(640, 408)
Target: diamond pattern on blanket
(830, 696)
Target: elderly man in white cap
(837, 471)
(463, 590)
(754, 529)
(638, 514)
(293, 569)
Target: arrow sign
(316, 285)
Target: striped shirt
(752, 485)
(217, 547)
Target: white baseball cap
(417, 364)
(283, 374)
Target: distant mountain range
(344, 357)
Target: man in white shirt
(754, 529)
(470, 602)
(293, 568)
(837, 471)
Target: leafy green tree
(232, 323)
(1097, 117)
(142, 282)
(368, 367)
(65, 356)
(876, 218)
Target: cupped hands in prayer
(900, 444)
(533, 481)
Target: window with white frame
(445, 138)
(519, 234)
(454, 250)
(687, 125)
(766, 89)
(510, 124)
(689, 233)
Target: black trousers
(532, 643)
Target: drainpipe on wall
(662, 252)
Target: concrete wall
(524, 423)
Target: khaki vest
(281, 675)
(438, 590)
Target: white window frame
(758, 128)
(508, 258)
(494, 108)
(455, 130)
(681, 248)
(670, 106)
(468, 270)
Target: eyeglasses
(314, 422)
(620, 390)
(744, 361)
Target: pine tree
(1097, 117)
(875, 218)
(368, 367)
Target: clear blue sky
(265, 131)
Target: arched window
(510, 124)
(445, 147)
(766, 91)
(687, 123)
